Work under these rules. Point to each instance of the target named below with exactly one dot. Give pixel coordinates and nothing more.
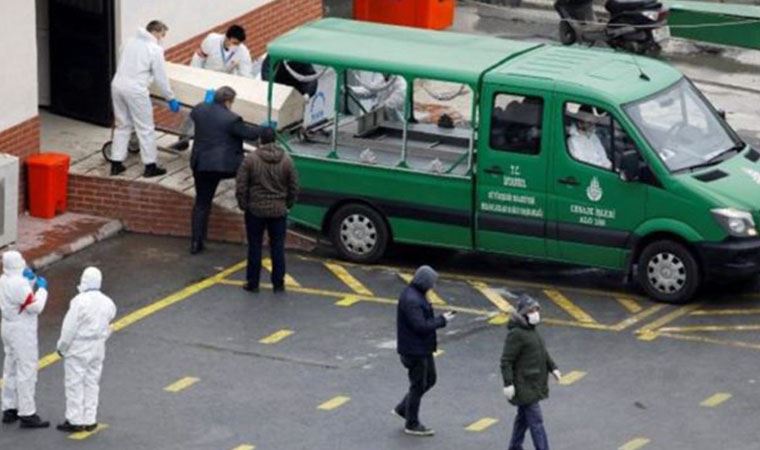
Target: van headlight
(736, 222)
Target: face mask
(534, 318)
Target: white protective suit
(85, 330)
(141, 63)
(588, 148)
(213, 56)
(20, 307)
(390, 94)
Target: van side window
(589, 135)
(516, 123)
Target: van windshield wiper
(716, 158)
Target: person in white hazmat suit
(20, 305)
(82, 345)
(140, 64)
(387, 91)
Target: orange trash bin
(48, 179)
(435, 14)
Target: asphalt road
(245, 371)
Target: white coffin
(190, 85)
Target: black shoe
(419, 430)
(117, 168)
(33, 421)
(90, 428)
(67, 427)
(251, 288)
(196, 247)
(398, 414)
(182, 144)
(10, 415)
(278, 289)
(152, 170)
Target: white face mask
(534, 318)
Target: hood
(13, 263)
(270, 153)
(91, 280)
(517, 320)
(425, 278)
(733, 183)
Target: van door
(511, 172)
(595, 211)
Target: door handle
(494, 170)
(569, 181)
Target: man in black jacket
(217, 154)
(416, 326)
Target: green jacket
(525, 362)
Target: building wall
(19, 123)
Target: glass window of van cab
(681, 127)
(593, 137)
(516, 124)
(371, 117)
(439, 133)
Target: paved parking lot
(197, 362)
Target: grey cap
(424, 278)
(525, 303)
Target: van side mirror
(722, 113)
(628, 165)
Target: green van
(582, 156)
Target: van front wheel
(668, 272)
(359, 233)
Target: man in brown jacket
(267, 186)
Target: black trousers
(205, 189)
(422, 377)
(276, 228)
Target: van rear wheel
(668, 272)
(359, 233)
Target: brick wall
(22, 140)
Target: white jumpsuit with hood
(20, 307)
(85, 330)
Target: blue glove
(209, 96)
(174, 105)
(29, 274)
(41, 283)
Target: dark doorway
(82, 59)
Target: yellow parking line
(706, 340)
(333, 403)
(569, 307)
(482, 424)
(726, 312)
(434, 298)
(499, 319)
(492, 296)
(81, 435)
(181, 384)
(342, 274)
(622, 325)
(635, 444)
(289, 281)
(245, 447)
(571, 377)
(276, 337)
(347, 301)
(631, 305)
(649, 331)
(710, 328)
(715, 399)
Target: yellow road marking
(333, 403)
(245, 447)
(347, 301)
(439, 352)
(635, 444)
(649, 332)
(631, 305)
(698, 328)
(289, 281)
(492, 296)
(432, 295)
(726, 312)
(482, 424)
(499, 319)
(622, 325)
(715, 399)
(571, 377)
(354, 284)
(81, 435)
(181, 384)
(569, 307)
(730, 343)
(276, 337)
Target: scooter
(637, 26)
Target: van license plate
(661, 34)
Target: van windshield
(683, 128)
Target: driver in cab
(583, 142)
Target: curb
(108, 230)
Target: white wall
(18, 71)
(185, 18)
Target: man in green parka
(525, 367)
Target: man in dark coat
(416, 326)
(525, 368)
(217, 154)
